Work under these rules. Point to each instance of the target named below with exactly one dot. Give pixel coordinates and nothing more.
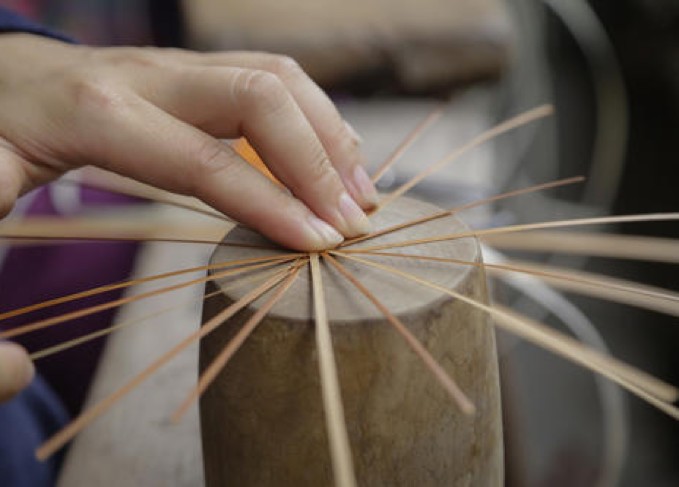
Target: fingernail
(365, 186)
(352, 132)
(356, 221)
(323, 233)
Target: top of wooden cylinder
(344, 302)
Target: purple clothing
(11, 22)
(24, 423)
(36, 273)
(32, 274)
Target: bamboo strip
(551, 340)
(56, 442)
(53, 238)
(405, 144)
(209, 375)
(587, 284)
(340, 450)
(605, 287)
(580, 282)
(107, 181)
(434, 367)
(133, 282)
(526, 328)
(46, 352)
(635, 247)
(512, 123)
(526, 227)
(457, 209)
(138, 226)
(37, 325)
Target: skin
(157, 115)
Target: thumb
(16, 370)
(11, 179)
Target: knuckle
(209, 157)
(342, 141)
(93, 94)
(319, 172)
(261, 90)
(339, 135)
(134, 57)
(285, 67)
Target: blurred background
(611, 68)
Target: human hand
(16, 370)
(155, 115)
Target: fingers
(16, 370)
(141, 141)
(231, 101)
(132, 111)
(337, 137)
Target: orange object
(245, 150)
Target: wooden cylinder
(263, 420)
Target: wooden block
(262, 420)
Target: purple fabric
(12, 22)
(36, 273)
(25, 422)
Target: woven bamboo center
(344, 302)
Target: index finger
(229, 102)
(338, 138)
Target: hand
(16, 370)
(155, 115)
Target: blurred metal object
(612, 118)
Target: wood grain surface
(262, 420)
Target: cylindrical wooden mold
(262, 419)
